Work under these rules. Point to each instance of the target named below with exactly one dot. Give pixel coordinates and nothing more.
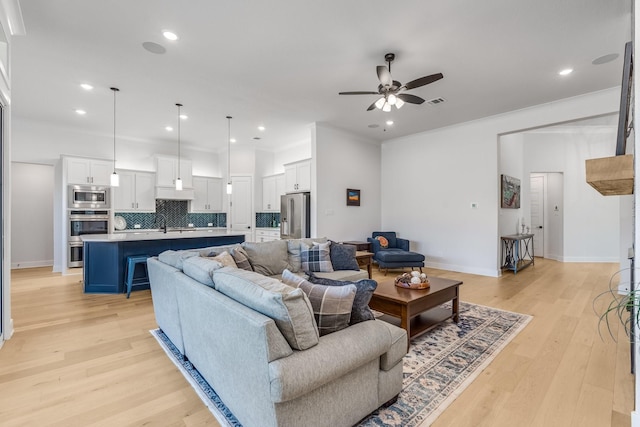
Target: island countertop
(157, 235)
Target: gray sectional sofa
(255, 341)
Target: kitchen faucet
(164, 221)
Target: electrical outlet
(209, 224)
(136, 225)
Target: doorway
(546, 214)
(241, 207)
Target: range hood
(170, 193)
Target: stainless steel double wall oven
(88, 212)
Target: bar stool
(132, 262)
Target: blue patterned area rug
(439, 366)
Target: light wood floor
(78, 360)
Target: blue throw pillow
(343, 257)
(360, 310)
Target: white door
(240, 208)
(537, 213)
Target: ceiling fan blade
(358, 93)
(411, 99)
(372, 106)
(384, 75)
(423, 81)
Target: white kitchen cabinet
(167, 172)
(88, 171)
(272, 189)
(136, 192)
(267, 234)
(298, 176)
(207, 195)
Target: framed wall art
(353, 197)
(510, 192)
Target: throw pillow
(364, 290)
(241, 258)
(225, 259)
(384, 243)
(317, 258)
(343, 257)
(200, 269)
(332, 305)
(289, 307)
(267, 258)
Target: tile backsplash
(177, 214)
(267, 219)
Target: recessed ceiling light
(261, 128)
(154, 48)
(81, 112)
(566, 71)
(605, 58)
(170, 35)
(389, 122)
(168, 128)
(86, 86)
(232, 140)
(184, 116)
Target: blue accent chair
(396, 255)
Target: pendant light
(179, 180)
(115, 179)
(229, 187)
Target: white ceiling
(281, 63)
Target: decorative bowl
(413, 280)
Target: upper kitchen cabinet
(136, 192)
(272, 188)
(298, 176)
(167, 172)
(207, 195)
(88, 171)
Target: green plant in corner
(621, 308)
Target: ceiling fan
(392, 92)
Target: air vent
(435, 101)
(257, 138)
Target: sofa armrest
(336, 355)
(375, 244)
(402, 244)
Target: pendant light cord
(229, 148)
(179, 105)
(114, 89)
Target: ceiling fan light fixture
(387, 107)
(399, 103)
(380, 103)
(392, 99)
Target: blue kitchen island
(105, 255)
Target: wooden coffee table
(417, 309)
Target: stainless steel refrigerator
(295, 216)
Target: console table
(517, 251)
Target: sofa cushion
(200, 269)
(241, 258)
(331, 304)
(176, 258)
(287, 306)
(215, 250)
(343, 257)
(267, 258)
(316, 257)
(364, 290)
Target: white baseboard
(31, 264)
(464, 269)
(635, 419)
(589, 259)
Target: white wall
(342, 160)
(429, 181)
(510, 162)
(292, 153)
(32, 215)
(591, 231)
